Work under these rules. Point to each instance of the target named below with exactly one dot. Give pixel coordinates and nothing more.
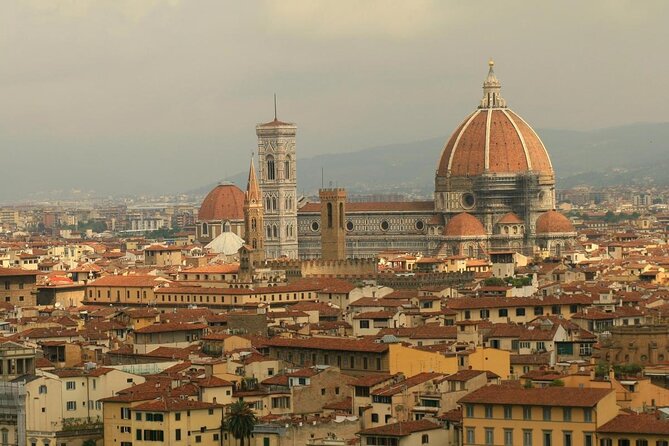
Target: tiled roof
(129, 280)
(170, 404)
(170, 326)
(329, 344)
(647, 424)
(464, 375)
(408, 383)
(548, 396)
(380, 206)
(401, 429)
(8, 272)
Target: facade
(556, 416)
(18, 287)
(221, 211)
(278, 184)
(494, 190)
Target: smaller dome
(510, 219)
(464, 225)
(552, 222)
(224, 202)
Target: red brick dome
(464, 225)
(552, 222)
(493, 140)
(224, 202)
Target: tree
(240, 421)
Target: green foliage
(519, 282)
(557, 383)
(528, 384)
(163, 233)
(494, 281)
(89, 442)
(240, 420)
(627, 369)
(601, 369)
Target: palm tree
(240, 420)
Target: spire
(275, 107)
(491, 90)
(252, 188)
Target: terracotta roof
(129, 281)
(510, 218)
(372, 380)
(647, 424)
(329, 344)
(551, 222)
(8, 272)
(170, 326)
(171, 404)
(401, 429)
(345, 405)
(511, 145)
(408, 383)
(548, 396)
(224, 202)
(225, 268)
(464, 375)
(464, 225)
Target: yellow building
(552, 416)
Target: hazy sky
(133, 95)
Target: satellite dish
(58, 305)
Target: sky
(150, 96)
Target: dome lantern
(492, 97)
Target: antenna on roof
(275, 106)
(322, 177)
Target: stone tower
(254, 227)
(278, 185)
(333, 217)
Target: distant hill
(629, 154)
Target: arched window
(254, 244)
(341, 215)
(274, 205)
(253, 223)
(226, 226)
(470, 251)
(269, 231)
(425, 439)
(275, 231)
(286, 168)
(205, 229)
(271, 170)
(329, 211)
(268, 204)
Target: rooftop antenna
(322, 178)
(275, 106)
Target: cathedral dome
(493, 140)
(224, 202)
(552, 222)
(464, 225)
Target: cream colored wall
(411, 361)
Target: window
(177, 435)
(271, 171)
(488, 411)
(364, 323)
(468, 315)
(42, 389)
(470, 435)
(566, 413)
(661, 443)
(125, 429)
(548, 438)
(527, 437)
(469, 410)
(587, 439)
(623, 442)
(71, 405)
(587, 415)
(605, 442)
(489, 436)
(153, 435)
(425, 439)
(547, 413)
(485, 314)
(520, 311)
(177, 416)
(538, 311)
(125, 413)
(508, 437)
(508, 412)
(138, 434)
(375, 418)
(642, 442)
(503, 312)
(566, 439)
(70, 385)
(138, 416)
(527, 412)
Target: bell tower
(278, 186)
(333, 218)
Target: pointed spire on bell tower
(492, 97)
(252, 187)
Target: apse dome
(224, 202)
